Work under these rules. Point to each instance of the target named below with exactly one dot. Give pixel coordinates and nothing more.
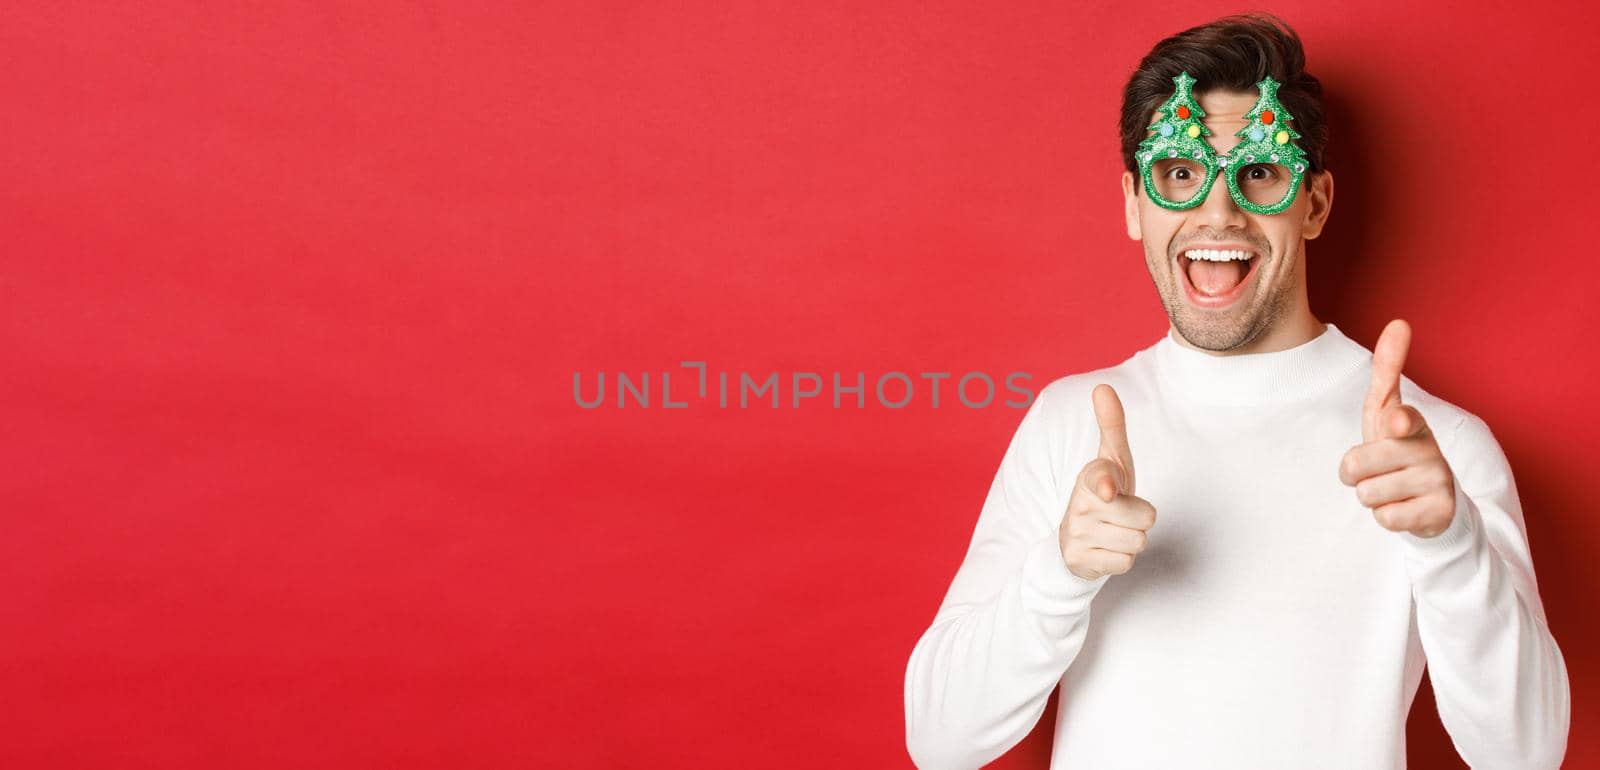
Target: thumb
(1388, 358)
(1113, 431)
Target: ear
(1130, 207)
(1319, 187)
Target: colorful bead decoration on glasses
(1179, 166)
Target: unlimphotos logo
(890, 390)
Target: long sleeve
(1013, 619)
(1498, 676)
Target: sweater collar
(1254, 378)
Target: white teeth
(1214, 255)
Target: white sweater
(1270, 622)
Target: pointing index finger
(1388, 359)
(1113, 430)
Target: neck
(1277, 376)
(1291, 332)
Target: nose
(1218, 209)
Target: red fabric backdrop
(294, 296)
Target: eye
(1182, 172)
(1177, 174)
(1260, 172)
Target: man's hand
(1398, 470)
(1105, 524)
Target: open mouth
(1216, 277)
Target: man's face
(1222, 305)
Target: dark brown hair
(1232, 53)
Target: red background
(293, 297)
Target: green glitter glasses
(1179, 166)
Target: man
(1306, 527)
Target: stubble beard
(1239, 327)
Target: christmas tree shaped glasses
(1179, 166)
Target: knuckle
(1084, 500)
(1086, 473)
(1093, 475)
(1073, 526)
(1364, 493)
(1439, 475)
(1386, 519)
(1348, 466)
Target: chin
(1217, 334)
